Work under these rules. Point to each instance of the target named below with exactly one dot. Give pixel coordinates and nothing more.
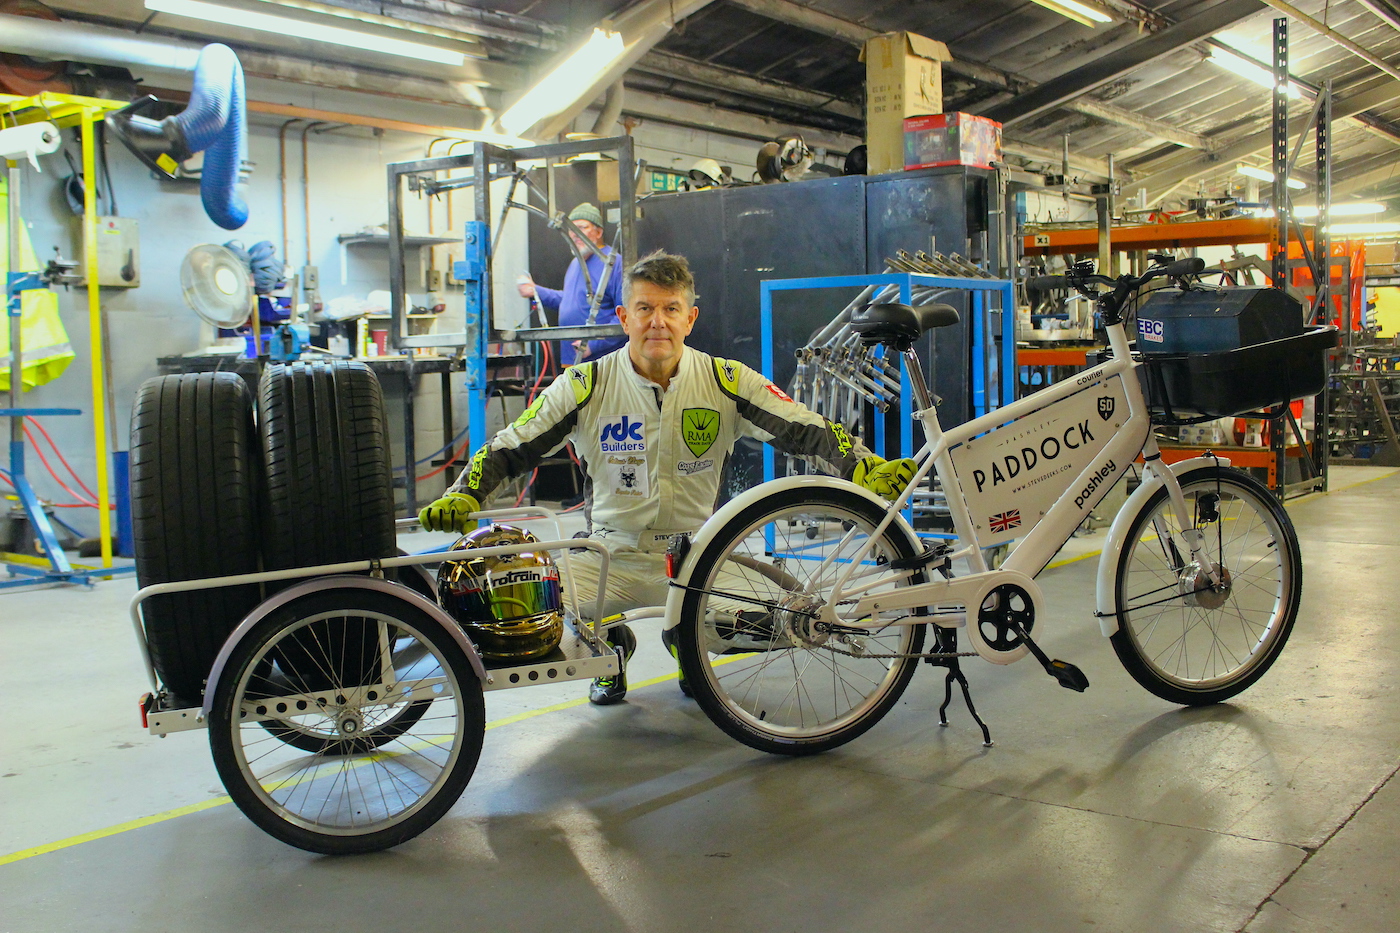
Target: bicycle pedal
(1068, 675)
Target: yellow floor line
(220, 801)
(113, 830)
(495, 724)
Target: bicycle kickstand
(948, 643)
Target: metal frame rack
(63, 111)
(474, 270)
(987, 356)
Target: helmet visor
(520, 594)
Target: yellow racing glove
(884, 478)
(452, 512)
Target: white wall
(347, 193)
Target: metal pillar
(1280, 150)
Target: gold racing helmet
(509, 605)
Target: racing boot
(605, 691)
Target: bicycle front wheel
(762, 664)
(343, 751)
(1183, 638)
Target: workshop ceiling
(1157, 104)
(1140, 87)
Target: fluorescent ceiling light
(1082, 13)
(1345, 209)
(1364, 229)
(1247, 69)
(305, 29)
(577, 71)
(1266, 175)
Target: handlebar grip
(1193, 266)
(1046, 282)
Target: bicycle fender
(736, 505)
(318, 584)
(1105, 588)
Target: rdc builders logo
(622, 434)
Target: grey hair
(664, 270)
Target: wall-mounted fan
(217, 287)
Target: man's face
(590, 230)
(657, 321)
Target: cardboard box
(903, 78)
(951, 139)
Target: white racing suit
(653, 457)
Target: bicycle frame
(1045, 533)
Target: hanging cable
(58, 453)
(45, 461)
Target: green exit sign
(666, 181)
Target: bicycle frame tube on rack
(1048, 532)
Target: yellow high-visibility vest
(43, 338)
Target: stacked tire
(213, 495)
(329, 496)
(195, 476)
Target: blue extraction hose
(216, 122)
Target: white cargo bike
(345, 713)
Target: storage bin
(1189, 387)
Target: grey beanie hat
(588, 212)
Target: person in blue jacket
(571, 302)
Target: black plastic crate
(1186, 387)
(1209, 320)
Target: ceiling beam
(641, 27)
(1095, 170)
(1144, 124)
(662, 109)
(1355, 184)
(798, 15)
(671, 65)
(1115, 64)
(1342, 107)
(1335, 36)
(1386, 14)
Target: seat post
(916, 379)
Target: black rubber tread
(1127, 649)
(688, 639)
(329, 494)
(329, 490)
(431, 805)
(195, 472)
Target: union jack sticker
(1004, 521)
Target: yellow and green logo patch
(699, 427)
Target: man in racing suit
(653, 427)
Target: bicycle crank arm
(1067, 674)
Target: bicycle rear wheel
(1179, 637)
(332, 755)
(762, 666)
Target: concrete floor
(1107, 811)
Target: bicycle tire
(1235, 636)
(400, 787)
(765, 698)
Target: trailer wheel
(375, 778)
(194, 477)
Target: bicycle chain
(938, 656)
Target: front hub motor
(1198, 591)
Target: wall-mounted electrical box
(118, 252)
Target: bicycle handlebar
(1111, 302)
